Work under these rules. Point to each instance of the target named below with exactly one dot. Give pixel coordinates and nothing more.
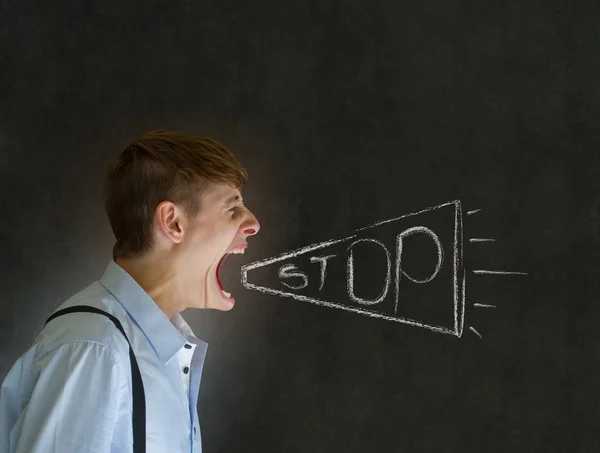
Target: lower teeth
(226, 293)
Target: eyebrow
(231, 199)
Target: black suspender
(139, 399)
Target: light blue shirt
(71, 391)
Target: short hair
(162, 165)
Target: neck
(155, 276)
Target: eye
(233, 210)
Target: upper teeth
(238, 251)
(226, 293)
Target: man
(174, 203)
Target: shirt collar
(166, 337)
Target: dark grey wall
(345, 113)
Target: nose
(251, 226)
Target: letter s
(284, 272)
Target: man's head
(174, 203)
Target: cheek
(209, 244)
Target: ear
(170, 221)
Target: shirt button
(186, 370)
(188, 346)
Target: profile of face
(221, 228)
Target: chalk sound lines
(475, 332)
(481, 272)
(303, 273)
(487, 272)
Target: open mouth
(238, 250)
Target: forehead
(220, 193)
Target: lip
(229, 299)
(239, 247)
(242, 246)
(220, 288)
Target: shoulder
(84, 327)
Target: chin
(221, 302)
(224, 307)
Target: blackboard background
(345, 113)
